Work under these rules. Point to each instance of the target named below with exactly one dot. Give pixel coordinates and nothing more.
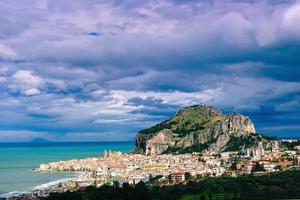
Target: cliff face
(194, 127)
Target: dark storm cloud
(83, 68)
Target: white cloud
(32, 91)
(174, 97)
(27, 78)
(10, 102)
(25, 82)
(291, 19)
(7, 52)
(96, 136)
(2, 79)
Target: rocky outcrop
(195, 125)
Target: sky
(100, 70)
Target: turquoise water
(18, 159)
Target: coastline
(44, 186)
(15, 172)
(53, 183)
(172, 168)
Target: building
(285, 163)
(297, 160)
(177, 177)
(39, 193)
(228, 154)
(255, 152)
(297, 148)
(268, 166)
(136, 179)
(275, 146)
(229, 173)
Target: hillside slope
(198, 128)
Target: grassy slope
(189, 120)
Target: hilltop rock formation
(198, 128)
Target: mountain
(198, 128)
(40, 140)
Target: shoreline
(25, 181)
(43, 186)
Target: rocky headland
(198, 128)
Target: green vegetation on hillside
(290, 145)
(281, 185)
(188, 120)
(238, 143)
(246, 141)
(158, 127)
(266, 137)
(191, 149)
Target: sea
(18, 159)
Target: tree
(258, 167)
(116, 184)
(94, 183)
(150, 178)
(188, 176)
(278, 167)
(76, 184)
(233, 166)
(235, 196)
(141, 191)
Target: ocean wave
(13, 194)
(52, 183)
(40, 187)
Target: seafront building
(171, 169)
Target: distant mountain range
(40, 140)
(200, 128)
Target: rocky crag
(198, 128)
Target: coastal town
(169, 169)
